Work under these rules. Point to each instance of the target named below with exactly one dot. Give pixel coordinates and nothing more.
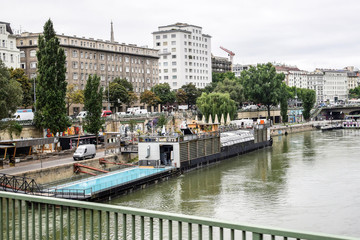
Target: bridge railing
(35, 217)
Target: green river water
(306, 181)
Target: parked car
(250, 107)
(141, 111)
(85, 151)
(81, 114)
(106, 113)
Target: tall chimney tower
(112, 33)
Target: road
(38, 164)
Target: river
(306, 181)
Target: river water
(306, 181)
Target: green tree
(131, 99)
(149, 98)
(262, 85)
(308, 98)
(51, 85)
(181, 97)
(117, 94)
(216, 103)
(284, 96)
(10, 93)
(192, 93)
(93, 94)
(354, 93)
(73, 96)
(163, 91)
(161, 121)
(19, 75)
(233, 87)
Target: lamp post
(34, 94)
(108, 94)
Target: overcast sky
(307, 33)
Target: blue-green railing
(34, 217)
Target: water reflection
(307, 181)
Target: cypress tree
(93, 95)
(51, 85)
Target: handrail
(137, 217)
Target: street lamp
(34, 94)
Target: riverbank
(278, 130)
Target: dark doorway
(165, 154)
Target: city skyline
(310, 35)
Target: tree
(73, 96)
(284, 96)
(181, 97)
(10, 93)
(131, 99)
(233, 87)
(308, 98)
(149, 98)
(163, 91)
(93, 94)
(216, 104)
(192, 93)
(19, 75)
(262, 85)
(51, 85)
(117, 94)
(161, 121)
(354, 93)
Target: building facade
(9, 54)
(294, 77)
(185, 55)
(106, 59)
(238, 68)
(316, 83)
(335, 85)
(220, 64)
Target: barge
(196, 150)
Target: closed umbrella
(228, 119)
(216, 119)
(222, 120)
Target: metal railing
(34, 217)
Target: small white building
(335, 84)
(185, 55)
(9, 54)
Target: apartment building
(185, 55)
(238, 68)
(316, 83)
(9, 54)
(294, 77)
(87, 56)
(220, 64)
(335, 85)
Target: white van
(85, 151)
(81, 114)
(141, 111)
(24, 114)
(132, 110)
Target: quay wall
(66, 171)
(287, 129)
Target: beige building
(87, 56)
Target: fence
(34, 217)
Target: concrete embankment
(287, 129)
(66, 171)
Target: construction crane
(231, 54)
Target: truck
(23, 114)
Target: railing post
(257, 236)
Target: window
(102, 67)
(126, 59)
(158, 37)
(173, 56)
(82, 65)
(174, 70)
(81, 54)
(164, 43)
(102, 57)
(22, 54)
(165, 70)
(75, 65)
(127, 69)
(158, 44)
(166, 77)
(173, 42)
(75, 76)
(33, 53)
(164, 57)
(75, 53)
(173, 35)
(33, 65)
(173, 63)
(174, 77)
(23, 65)
(165, 64)
(164, 36)
(174, 84)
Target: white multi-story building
(294, 77)
(9, 54)
(335, 85)
(316, 83)
(238, 68)
(185, 55)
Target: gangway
(18, 184)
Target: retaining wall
(66, 171)
(287, 129)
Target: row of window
(186, 77)
(4, 44)
(5, 57)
